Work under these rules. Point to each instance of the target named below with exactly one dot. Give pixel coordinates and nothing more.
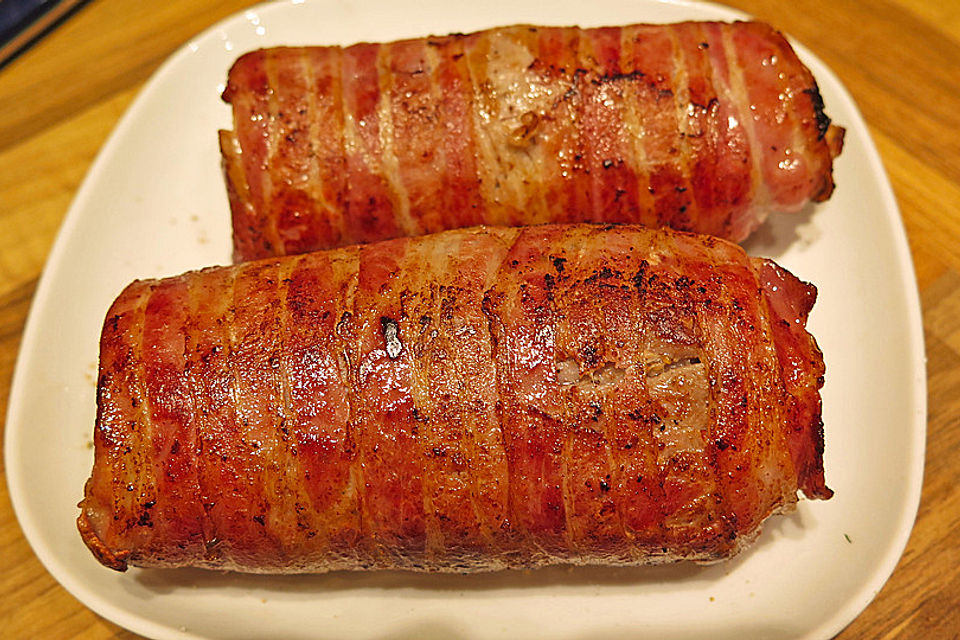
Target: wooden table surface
(899, 58)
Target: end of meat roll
(802, 369)
(108, 557)
(248, 241)
(834, 138)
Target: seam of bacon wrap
(699, 126)
(473, 400)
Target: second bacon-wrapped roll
(473, 400)
(698, 126)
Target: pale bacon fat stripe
(252, 339)
(777, 460)
(685, 112)
(388, 164)
(289, 484)
(792, 184)
(651, 55)
(210, 383)
(170, 410)
(551, 133)
(287, 520)
(360, 165)
(461, 177)
(630, 86)
(284, 515)
(685, 448)
(288, 156)
(315, 182)
(405, 334)
(551, 130)
(586, 381)
(430, 219)
(672, 184)
(316, 417)
(779, 166)
(442, 442)
(718, 178)
(484, 111)
(540, 130)
(340, 275)
(633, 126)
(293, 201)
(419, 158)
(272, 131)
(490, 466)
(148, 428)
(523, 346)
(301, 213)
(351, 143)
(250, 130)
(683, 388)
(299, 374)
(603, 159)
(238, 191)
(385, 409)
(506, 90)
(144, 493)
(740, 188)
(343, 274)
(298, 512)
(740, 97)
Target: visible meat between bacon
(473, 400)
(698, 126)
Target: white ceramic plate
(154, 204)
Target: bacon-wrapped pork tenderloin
(473, 400)
(697, 126)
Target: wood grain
(899, 58)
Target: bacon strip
(706, 127)
(471, 400)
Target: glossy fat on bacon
(473, 400)
(698, 126)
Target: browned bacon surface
(471, 400)
(698, 126)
